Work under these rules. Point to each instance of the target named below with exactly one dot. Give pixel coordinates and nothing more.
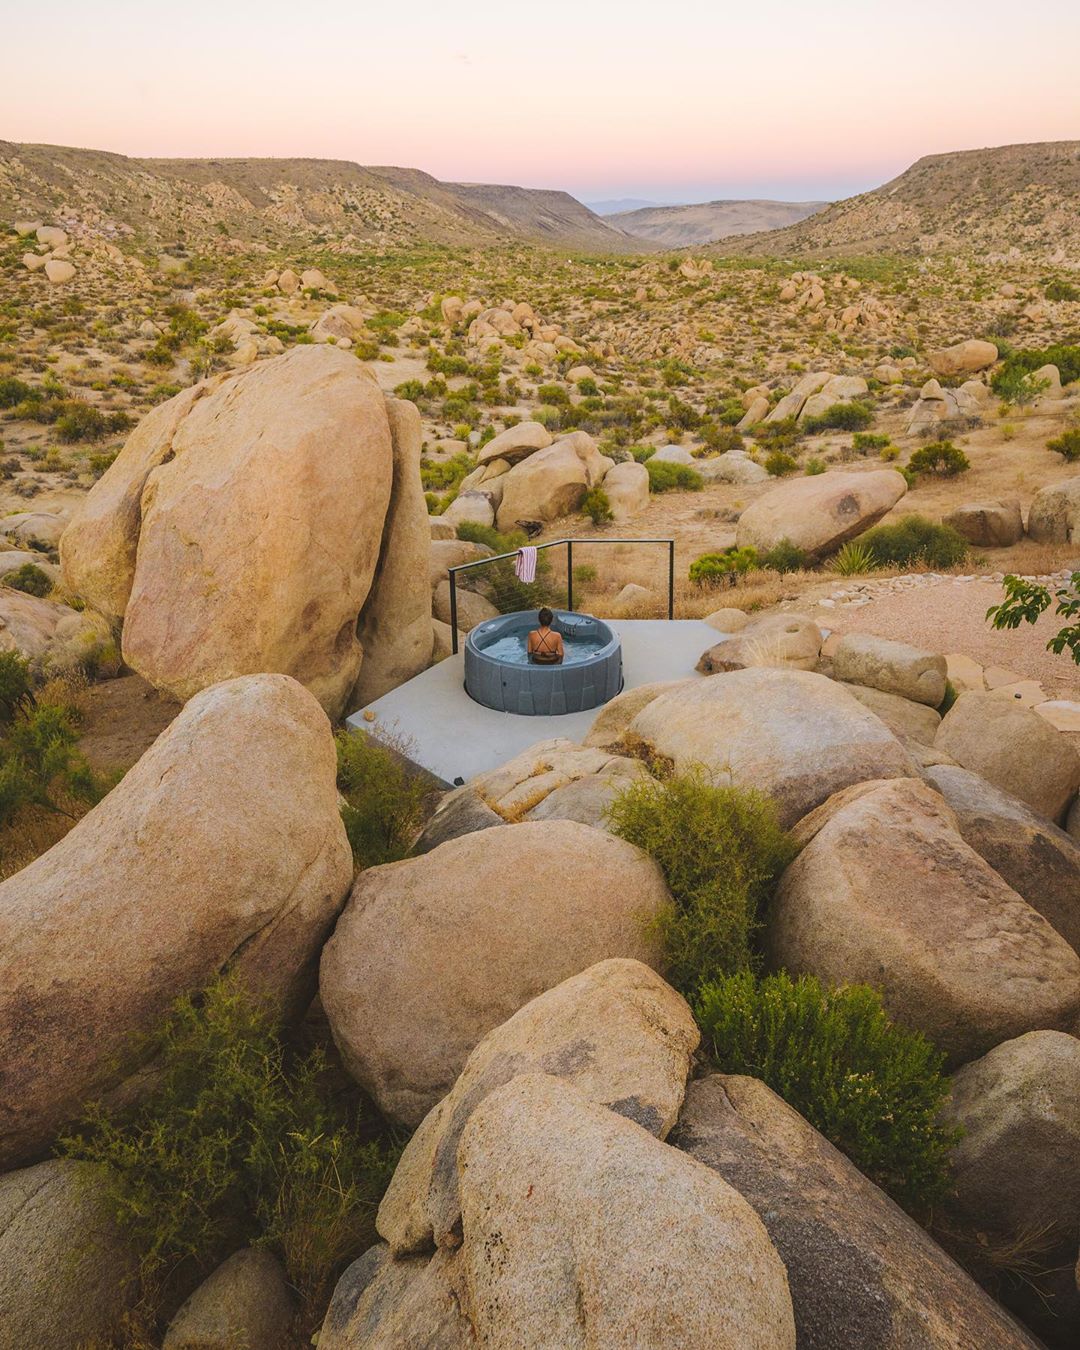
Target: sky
(603, 98)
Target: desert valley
(367, 983)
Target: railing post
(453, 612)
(570, 575)
(671, 580)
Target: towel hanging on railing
(525, 564)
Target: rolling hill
(1016, 197)
(705, 222)
(208, 202)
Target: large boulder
(1017, 1166)
(222, 849)
(244, 1305)
(1014, 748)
(819, 513)
(613, 720)
(862, 1274)
(65, 1265)
(394, 628)
(627, 488)
(552, 482)
(432, 953)
(579, 1222)
(789, 641)
(987, 524)
(964, 358)
(621, 1035)
(1038, 860)
(53, 637)
(904, 718)
(241, 532)
(408, 1304)
(515, 443)
(893, 667)
(887, 893)
(796, 735)
(1054, 514)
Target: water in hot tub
(512, 649)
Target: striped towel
(525, 564)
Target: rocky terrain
(705, 222)
(748, 1018)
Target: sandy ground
(122, 718)
(949, 617)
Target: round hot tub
(499, 674)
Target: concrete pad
(455, 738)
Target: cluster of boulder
(814, 393)
(489, 326)
(53, 255)
(289, 282)
(807, 291)
(1053, 518)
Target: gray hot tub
(499, 674)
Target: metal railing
(557, 543)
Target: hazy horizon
(703, 106)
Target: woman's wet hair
(545, 616)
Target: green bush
(853, 559)
(915, 539)
(721, 850)
(664, 477)
(851, 416)
(1066, 356)
(939, 457)
(780, 435)
(13, 392)
(1061, 290)
(384, 796)
(241, 1140)
(82, 422)
(40, 762)
(815, 466)
(1067, 444)
(597, 506)
(16, 687)
(784, 557)
(869, 440)
(1017, 387)
(874, 1089)
(30, 579)
(720, 439)
(713, 569)
(446, 475)
(507, 592)
(778, 463)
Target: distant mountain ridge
(202, 201)
(1013, 197)
(706, 222)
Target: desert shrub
(588, 387)
(446, 475)
(99, 463)
(1067, 444)
(721, 850)
(869, 440)
(242, 1140)
(490, 537)
(815, 466)
(779, 462)
(784, 557)
(723, 569)
(1061, 290)
(853, 559)
(781, 435)
(939, 457)
(82, 422)
(384, 796)
(499, 579)
(596, 505)
(851, 416)
(642, 452)
(720, 439)
(30, 579)
(874, 1089)
(14, 392)
(41, 765)
(1016, 387)
(16, 687)
(665, 477)
(915, 539)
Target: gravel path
(949, 616)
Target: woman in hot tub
(545, 646)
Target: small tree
(1026, 601)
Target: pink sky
(603, 99)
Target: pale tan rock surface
(965, 358)
(432, 953)
(1017, 1167)
(244, 1305)
(515, 443)
(787, 641)
(616, 1031)
(987, 524)
(394, 628)
(581, 1223)
(819, 513)
(861, 1272)
(627, 488)
(551, 482)
(260, 536)
(383, 1304)
(221, 849)
(64, 1261)
(614, 718)
(887, 893)
(908, 720)
(1014, 749)
(793, 734)
(1054, 514)
(893, 667)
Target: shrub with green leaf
(597, 506)
(914, 539)
(1025, 601)
(784, 557)
(30, 579)
(874, 1089)
(666, 477)
(717, 569)
(1016, 386)
(1067, 445)
(939, 457)
(385, 796)
(864, 441)
(241, 1139)
(779, 463)
(851, 416)
(1066, 356)
(721, 850)
(853, 559)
